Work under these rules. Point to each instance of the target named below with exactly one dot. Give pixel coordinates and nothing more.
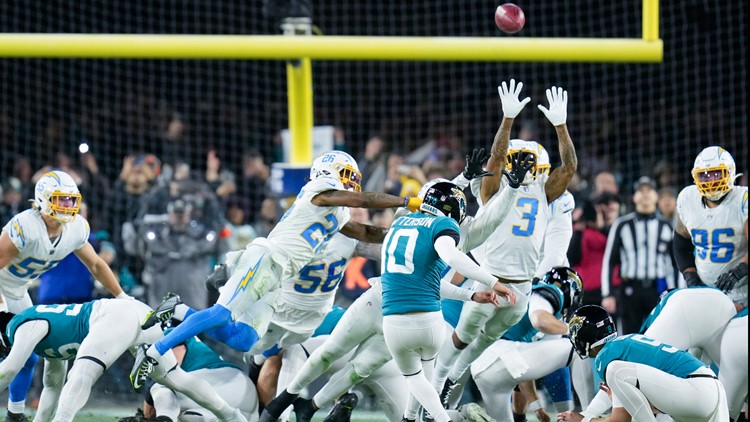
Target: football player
(644, 375)
(320, 211)
(710, 241)
(95, 334)
(734, 358)
(512, 253)
(33, 242)
(519, 356)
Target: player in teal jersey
(226, 378)
(644, 375)
(95, 334)
(416, 251)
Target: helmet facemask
(535, 171)
(350, 177)
(713, 182)
(63, 206)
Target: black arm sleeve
(683, 250)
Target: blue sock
(19, 387)
(198, 322)
(237, 335)
(558, 386)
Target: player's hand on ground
(570, 415)
(509, 98)
(557, 113)
(727, 280)
(521, 163)
(475, 164)
(542, 415)
(504, 292)
(486, 297)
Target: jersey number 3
(530, 209)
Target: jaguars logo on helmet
(590, 326)
(570, 284)
(446, 199)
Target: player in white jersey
(33, 242)
(710, 242)
(319, 212)
(363, 319)
(512, 252)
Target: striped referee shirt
(641, 244)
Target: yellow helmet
(714, 172)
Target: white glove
(124, 295)
(558, 106)
(509, 98)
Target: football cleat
(342, 410)
(304, 409)
(473, 412)
(445, 395)
(142, 368)
(163, 313)
(16, 417)
(277, 406)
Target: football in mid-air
(509, 18)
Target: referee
(640, 243)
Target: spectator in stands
(640, 244)
(605, 181)
(268, 217)
(372, 164)
(666, 177)
(97, 188)
(12, 202)
(177, 255)
(667, 203)
(241, 233)
(220, 180)
(589, 240)
(252, 182)
(394, 169)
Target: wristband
(534, 406)
(122, 295)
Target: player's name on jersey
(426, 222)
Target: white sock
(180, 311)
(445, 360)
(338, 384)
(76, 391)
(469, 355)
(422, 390)
(16, 406)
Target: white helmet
(714, 172)
(338, 164)
(428, 185)
(543, 165)
(56, 194)
(519, 145)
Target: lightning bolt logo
(247, 279)
(19, 232)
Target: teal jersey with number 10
(410, 266)
(68, 326)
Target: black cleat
(277, 406)
(342, 410)
(163, 313)
(218, 278)
(16, 417)
(445, 395)
(304, 409)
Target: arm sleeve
(598, 406)
(26, 337)
(474, 232)
(449, 291)
(556, 242)
(611, 257)
(684, 252)
(576, 247)
(445, 246)
(461, 181)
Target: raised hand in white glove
(509, 98)
(557, 113)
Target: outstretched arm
(557, 114)
(345, 198)
(100, 270)
(364, 232)
(26, 337)
(496, 163)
